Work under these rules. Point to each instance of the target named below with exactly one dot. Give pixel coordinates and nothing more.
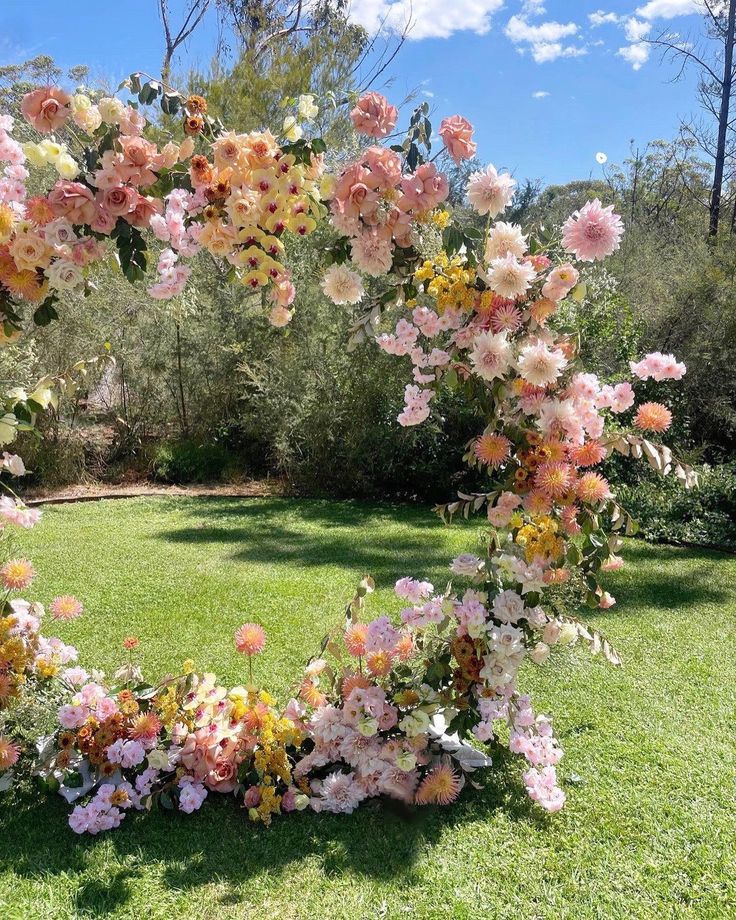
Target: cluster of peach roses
(236, 196)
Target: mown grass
(649, 767)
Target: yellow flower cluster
(448, 282)
(540, 539)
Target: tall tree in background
(713, 58)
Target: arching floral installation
(401, 710)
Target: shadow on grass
(671, 578)
(380, 840)
(315, 533)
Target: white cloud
(636, 29)
(540, 94)
(543, 40)
(544, 52)
(533, 8)
(519, 30)
(601, 18)
(637, 54)
(429, 18)
(668, 9)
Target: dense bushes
(665, 511)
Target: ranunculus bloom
(456, 133)
(46, 108)
(374, 115)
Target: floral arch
(403, 710)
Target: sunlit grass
(649, 766)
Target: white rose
(540, 653)
(568, 634)
(51, 150)
(67, 167)
(158, 760)
(34, 154)
(292, 131)
(64, 275)
(111, 110)
(306, 108)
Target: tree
(714, 59)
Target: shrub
(189, 461)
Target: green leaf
(45, 313)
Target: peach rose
(456, 133)
(118, 201)
(46, 108)
(73, 201)
(144, 210)
(374, 115)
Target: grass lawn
(650, 826)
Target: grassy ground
(649, 828)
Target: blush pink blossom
(374, 115)
(593, 232)
(457, 133)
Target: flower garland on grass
(399, 710)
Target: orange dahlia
(588, 454)
(492, 449)
(554, 478)
(441, 786)
(652, 416)
(9, 753)
(592, 488)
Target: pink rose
(252, 798)
(46, 108)
(224, 777)
(374, 115)
(456, 133)
(384, 164)
(104, 222)
(73, 201)
(118, 201)
(425, 189)
(145, 208)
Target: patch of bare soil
(256, 488)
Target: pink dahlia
(492, 449)
(593, 232)
(17, 574)
(66, 607)
(250, 639)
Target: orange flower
(131, 642)
(250, 639)
(592, 488)
(193, 125)
(492, 449)
(441, 786)
(652, 416)
(196, 105)
(9, 753)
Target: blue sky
(547, 83)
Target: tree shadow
(316, 533)
(220, 844)
(654, 578)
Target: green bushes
(188, 461)
(666, 511)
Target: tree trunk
(715, 196)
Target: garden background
(205, 392)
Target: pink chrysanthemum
(537, 502)
(652, 416)
(355, 639)
(250, 639)
(66, 607)
(506, 318)
(441, 786)
(17, 574)
(569, 518)
(492, 449)
(589, 454)
(145, 727)
(554, 479)
(592, 488)
(9, 753)
(593, 232)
